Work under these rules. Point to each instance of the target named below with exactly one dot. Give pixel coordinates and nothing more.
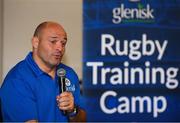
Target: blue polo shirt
(29, 93)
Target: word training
(134, 75)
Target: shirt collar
(32, 64)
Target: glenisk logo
(142, 14)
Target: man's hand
(65, 101)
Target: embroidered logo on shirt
(69, 86)
(67, 82)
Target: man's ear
(35, 42)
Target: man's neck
(44, 67)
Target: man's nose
(59, 46)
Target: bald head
(44, 25)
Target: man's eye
(63, 43)
(53, 41)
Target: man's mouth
(57, 55)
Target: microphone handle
(63, 89)
(63, 86)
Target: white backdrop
(21, 18)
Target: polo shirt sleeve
(78, 98)
(18, 102)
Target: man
(31, 92)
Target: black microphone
(61, 73)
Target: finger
(66, 93)
(57, 97)
(65, 106)
(66, 98)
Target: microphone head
(61, 72)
